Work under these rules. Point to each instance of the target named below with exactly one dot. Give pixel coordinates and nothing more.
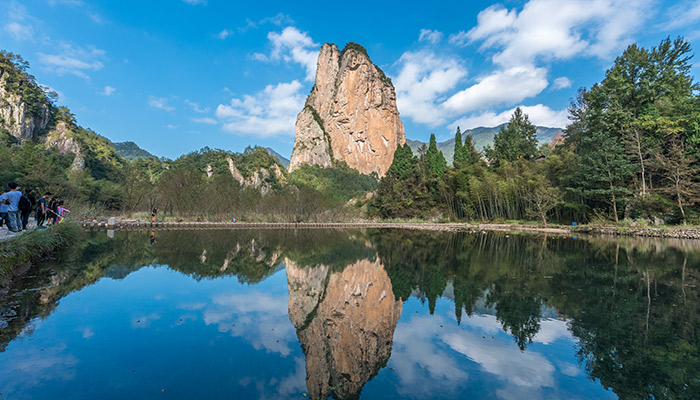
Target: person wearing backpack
(26, 205)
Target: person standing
(11, 198)
(3, 210)
(154, 214)
(42, 210)
(26, 205)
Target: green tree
(517, 139)
(459, 155)
(434, 159)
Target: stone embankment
(668, 232)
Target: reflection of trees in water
(249, 255)
(625, 299)
(632, 303)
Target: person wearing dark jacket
(29, 195)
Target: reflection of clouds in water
(192, 306)
(503, 359)
(260, 318)
(286, 387)
(184, 318)
(144, 321)
(31, 366)
(568, 368)
(424, 363)
(296, 382)
(551, 330)
(420, 363)
(87, 332)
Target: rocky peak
(17, 116)
(350, 115)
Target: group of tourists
(16, 207)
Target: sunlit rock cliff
(350, 115)
(345, 322)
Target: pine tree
(459, 147)
(471, 154)
(517, 139)
(435, 160)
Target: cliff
(350, 115)
(24, 108)
(345, 322)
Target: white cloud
(160, 103)
(73, 3)
(271, 112)
(204, 120)
(196, 108)
(503, 87)
(430, 36)
(292, 45)
(683, 14)
(539, 114)
(97, 18)
(553, 29)
(171, 126)
(19, 31)
(224, 34)
(423, 78)
(561, 83)
(74, 60)
(279, 20)
(195, 2)
(108, 90)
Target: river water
(370, 314)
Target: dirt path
(670, 232)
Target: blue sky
(178, 75)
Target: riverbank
(667, 232)
(18, 253)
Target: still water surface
(378, 314)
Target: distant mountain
(280, 157)
(131, 151)
(482, 137)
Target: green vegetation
(131, 151)
(340, 183)
(17, 81)
(35, 245)
(632, 152)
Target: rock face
(259, 179)
(62, 138)
(15, 115)
(350, 115)
(345, 322)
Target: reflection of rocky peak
(346, 327)
(350, 115)
(306, 289)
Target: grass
(35, 245)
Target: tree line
(631, 151)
